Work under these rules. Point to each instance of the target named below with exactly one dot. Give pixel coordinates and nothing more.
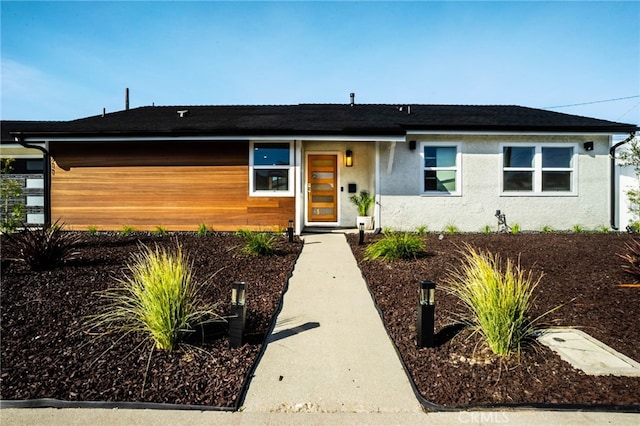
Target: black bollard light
(426, 314)
(361, 234)
(238, 313)
(290, 230)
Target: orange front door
(322, 192)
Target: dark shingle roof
(321, 119)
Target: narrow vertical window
(440, 169)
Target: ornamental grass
(257, 243)
(157, 298)
(498, 299)
(395, 245)
(42, 247)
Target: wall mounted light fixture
(588, 146)
(348, 159)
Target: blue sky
(66, 60)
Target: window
(441, 169)
(538, 169)
(27, 166)
(270, 169)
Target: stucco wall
(402, 206)
(626, 179)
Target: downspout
(612, 157)
(47, 177)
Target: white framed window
(441, 164)
(539, 169)
(270, 169)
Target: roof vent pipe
(353, 98)
(104, 111)
(126, 99)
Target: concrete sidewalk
(329, 351)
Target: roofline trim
(141, 138)
(514, 133)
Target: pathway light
(426, 313)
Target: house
(258, 167)
(27, 168)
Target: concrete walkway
(329, 351)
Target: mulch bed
(581, 273)
(46, 352)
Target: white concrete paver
(329, 351)
(588, 354)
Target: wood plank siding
(174, 185)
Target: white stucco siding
(626, 179)
(403, 207)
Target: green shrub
(396, 245)
(487, 229)
(257, 243)
(515, 228)
(202, 229)
(44, 247)
(547, 229)
(13, 208)
(451, 229)
(421, 230)
(92, 230)
(160, 230)
(498, 300)
(578, 229)
(127, 230)
(634, 226)
(157, 298)
(603, 229)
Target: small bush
(515, 228)
(451, 229)
(487, 229)
(44, 247)
(11, 192)
(632, 258)
(603, 229)
(578, 229)
(127, 230)
(158, 298)
(92, 230)
(202, 229)
(547, 229)
(498, 300)
(257, 243)
(421, 230)
(161, 230)
(396, 245)
(634, 227)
